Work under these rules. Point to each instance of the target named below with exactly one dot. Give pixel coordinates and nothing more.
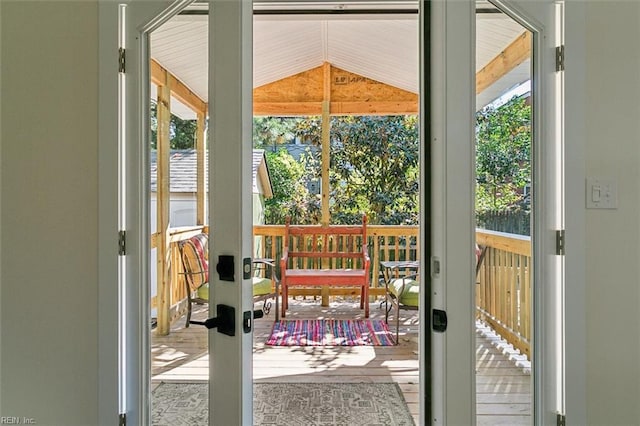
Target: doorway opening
(392, 245)
(364, 95)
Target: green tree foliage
(503, 152)
(272, 131)
(290, 194)
(374, 169)
(182, 133)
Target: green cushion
(203, 292)
(410, 294)
(260, 286)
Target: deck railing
(503, 290)
(385, 242)
(503, 293)
(174, 302)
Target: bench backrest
(333, 246)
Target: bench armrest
(284, 259)
(365, 255)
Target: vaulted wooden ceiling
(373, 62)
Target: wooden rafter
(516, 53)
(178, 88)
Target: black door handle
(225, 321)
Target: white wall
(612, 149)
(49, 213)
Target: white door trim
(123, 318)
(575, 237)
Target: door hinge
(122, 419)
(122, 243)
(121, 59)
(561, 420)
(560, 242)
(560, 58)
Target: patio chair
(403, 291)
(194, 253)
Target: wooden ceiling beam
(293, 109)
(178, 89)
(516, 53)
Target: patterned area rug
(290, 404)
(330, 333)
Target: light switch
(601, 193)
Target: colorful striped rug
(330, 332)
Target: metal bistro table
(389, 266)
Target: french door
(230, 116)
(452, 85)
(447, 34)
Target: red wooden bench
(334, 255)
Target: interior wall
(49, 213)
(612, 150)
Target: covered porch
(503, 309)
(328, 88)
(502, 381)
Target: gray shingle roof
(182, 171)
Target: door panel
(230, 203)
(452, 139)
(230, 111)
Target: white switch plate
(601, 193)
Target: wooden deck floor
(503, 390)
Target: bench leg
(365, 299)
(285, 299)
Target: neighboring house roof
(182, 172)
(261, 174)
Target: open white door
(230, 82)
(452, 141)
(231, 230)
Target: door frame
(108, 238)
(453, 58)
(124, 331)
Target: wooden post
(162, 202)
(200, 172)
(325, 161)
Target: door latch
(248, 317)
(439, 320)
